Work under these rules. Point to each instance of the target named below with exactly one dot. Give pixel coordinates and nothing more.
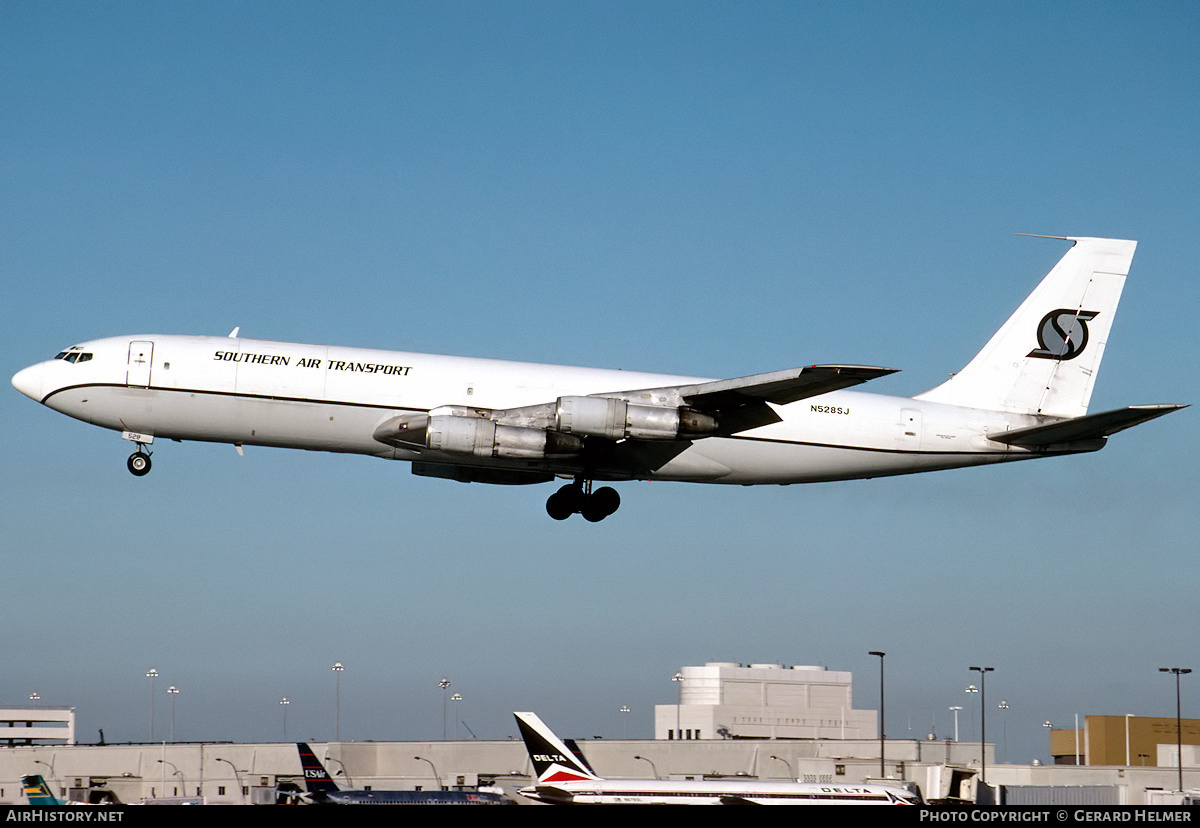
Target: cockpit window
(74, 355)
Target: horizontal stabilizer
(779, 387)
(554, 794)
(1089, 427)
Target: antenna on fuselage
(233, 334)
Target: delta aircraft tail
(1045, 358)
(553, 761)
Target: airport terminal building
(751, 722)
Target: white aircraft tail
(553, 761)
(1045, 358)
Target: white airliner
(1024, 395)
(565, 778)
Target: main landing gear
(138, 462)
(578, 498)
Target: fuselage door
(141, 356)
(910, 429)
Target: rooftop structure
(37, 725)
(726, 700)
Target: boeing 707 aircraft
(1025, 395)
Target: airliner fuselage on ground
(565, 778)
(1024, 395)
(322, 790)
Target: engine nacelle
(617, 419)
(483, 438)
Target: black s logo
(1063, 334)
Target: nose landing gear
(578, 498)
(138, 462)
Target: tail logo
(1063, 334)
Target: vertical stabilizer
(316, 778)
(37, 792)
(1045, 358)
(552, 760)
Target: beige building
(726, 700)
(37, 726)
(1140, 741)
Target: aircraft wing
(1089, 427)
(736, 404)
(741, 403)
(777, 386)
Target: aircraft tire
(560, 505)
(600, 504)
(138, 463)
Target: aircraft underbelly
(751, 461)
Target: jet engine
(484, 438)
(616, 420)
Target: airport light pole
(457, 697)
(337, 669)
(1127, 717)
(882, 733)
(983, 671)
(678, 706)
(791, 773)
(436, 776)
(955, 709)
(343, 771)
(1004, 718)
(444, 683)
(624, 711)
(236, 775)
(971, 688)
(152, 674)
(283, 705)
(173, 691)
(1178, 671)
(50, 765)
(652, 766)
(174, 770)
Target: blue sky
(710, 189)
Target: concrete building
(726, 700)
(37, 725)
(1145, 741)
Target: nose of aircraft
(29, 381)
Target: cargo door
(141, 357)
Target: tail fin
(552, 760)
(1045, 358)
(316, 778)
(37, 791)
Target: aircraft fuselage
(326, 398)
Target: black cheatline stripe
(241, 395)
